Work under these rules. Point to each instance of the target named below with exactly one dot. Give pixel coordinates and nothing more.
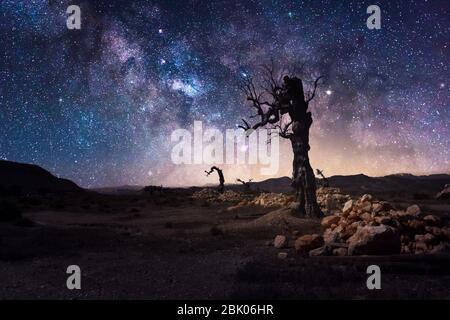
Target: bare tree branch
(314, 90)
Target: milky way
(98, 105)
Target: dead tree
(282, 104)
(221, 178)
(246, 184)
(325, 182)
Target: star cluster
(98, 105)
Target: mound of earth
(281, 220)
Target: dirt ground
(172, 247)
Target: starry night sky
(98, 105)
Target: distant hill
(360, 183)
(19, 178)
(125, 189)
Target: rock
(440, 248)
(366, 217)
(433, 230)
(377, 207)
(405, 249)
(446, 233)
(366, 197)
(331, 200)
(353, 215)
(426, 238)
(366, 206)
(308, 242)
(330, 236)
(341, 252)
(272, 200)
(280, 241)
(374, 240)
(282, 255)
(348, 232)
(381, 206)
(384, 220)
(328, 221)
(420, 247)
(321, 251)
(348, 206)
(413, 211)
(432, 220)
(417, 225)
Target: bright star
(328, 92)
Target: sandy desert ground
(170, 246)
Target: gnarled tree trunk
(303, 179)
(288, 98)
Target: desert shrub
(9, 211)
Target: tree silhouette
(221, 178)
(245, 183)
(325, 182)
(282, 104)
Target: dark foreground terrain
(166, 245)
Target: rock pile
(211, 195)
(331, 200)
(266, 200)
(270, 200)
(370, 227)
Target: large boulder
(374, 240)
(308, 242)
